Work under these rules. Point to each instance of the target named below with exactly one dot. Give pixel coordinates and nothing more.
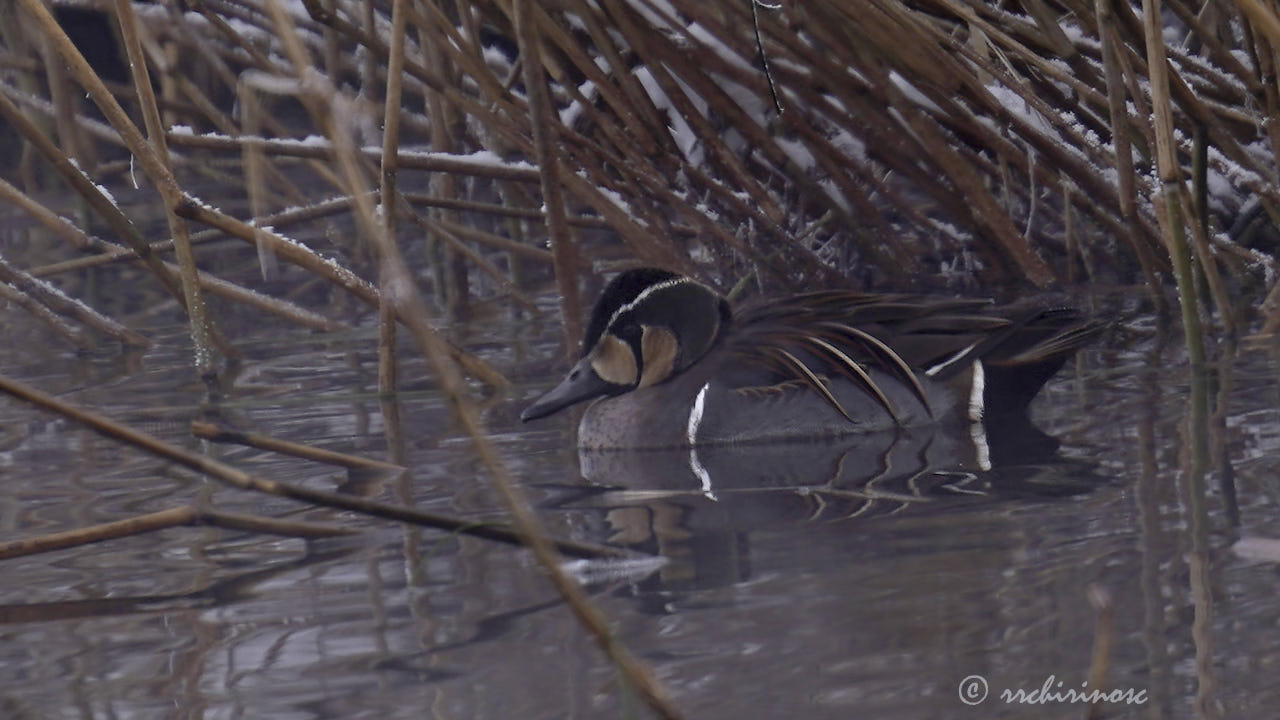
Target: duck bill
(582, 383)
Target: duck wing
(809, 338)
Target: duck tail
(1034, 349)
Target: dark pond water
(826, 582)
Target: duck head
(647, 326)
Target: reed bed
(936, 143)
(927, 144)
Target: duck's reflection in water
(699, 507)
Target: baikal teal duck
(668, 364)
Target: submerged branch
(188, 516)
(244, 481)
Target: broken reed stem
(562, 247)
(1171, 183)
(55, 300)
(438, 229)
(92, 194)
(1209, 265)
(152, 164)
(615, 217)
(202, 330)
(1103, 639)
(244, 481)
(64, 104)
(188, 515)
(302, 256)
(435, 36)
(282, 219)
(1257, 41)
(477, 166)
(254, 165)
(45, 315)
(219, 434)
(657, 54)
(288, 250)
(50, 220)
(629, 128)
(282, 308)
(208, 282)
(582, 221)
(1125, 173)
(965, 180)
(387, 190)
(387, 331)
(497, 242)
(50, 296)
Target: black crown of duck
(672, 365)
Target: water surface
(863, 581)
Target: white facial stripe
(644, 294)
(976, 392)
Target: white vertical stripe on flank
(978, 432)
(691, 433)
(695, 416)
(976, 392)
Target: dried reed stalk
(152, 163)
(217, 433)
(55, 300)
(202, 328)
(925, 87)
(42, 313)
(1103, 640)
(91, 192)
(1122, 150)
(187, 515)
(1171, 183)
(234, 477)
(562, 248)
(387, 191)
(916, 132)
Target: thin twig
(187, 515)
(234, 477)
(216, 433)
(764, 57)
